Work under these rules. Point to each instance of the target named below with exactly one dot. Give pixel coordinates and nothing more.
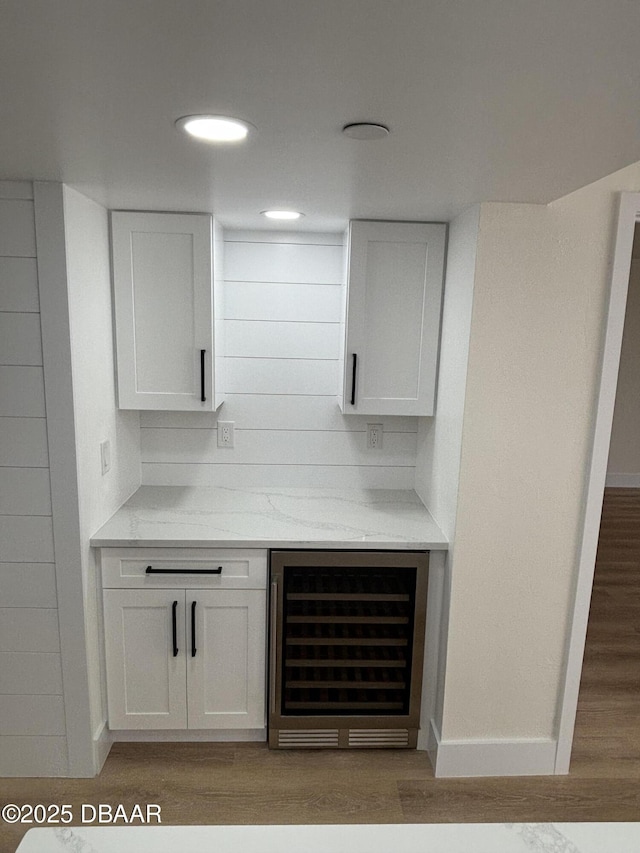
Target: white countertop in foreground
(186, 516)
(372, 838)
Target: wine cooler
(346, 648)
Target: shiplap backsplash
(32, 725)
(283, 313)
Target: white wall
(513, 557)
(624, 453)
(32, 719)
(440, 441)
(284, 294)
(440, 438)
(96, 415)
(540, 297)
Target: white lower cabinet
(226, 674)
(185, 658)
(146, 681)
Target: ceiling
(503, 100)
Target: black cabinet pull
(151, 571)
(353, 380)
(193, 629)
(203, 399)
(174, 626)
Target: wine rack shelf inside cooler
(347, 640)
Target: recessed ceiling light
(282, 214)
(365, 130)
(214, 128)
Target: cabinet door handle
(272, 643)
(174, 626)
(151, 571)
(193, 629)
(353, 379)
(203, 398)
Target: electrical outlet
(105, 456)
(225, 433)
(374, 436)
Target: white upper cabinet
(166, 290)
(394, 294)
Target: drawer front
(184, 568)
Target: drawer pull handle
(193, 629)
(174, 626)
(151, 571)
(203, 398)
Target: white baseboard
(433, 741)
(102, 743)
(518, 757)
(186, 736)
(623, 481)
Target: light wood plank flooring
(246, 783)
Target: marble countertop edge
(332, 544)
(193, 517)
(428, 838)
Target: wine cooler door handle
(353, 379)
(174, 627)
(193, 629)
(203, 398)
(272, 644)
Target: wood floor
(247, 783)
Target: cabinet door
(163, 291)
(393, 317)
(146, 682)
(226, 675)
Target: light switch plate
(105, 456)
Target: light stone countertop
(186, 516)
(406, 838)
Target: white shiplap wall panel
(305, 238)
(20, 341)
(281, 447)
(30, 673)
(31, 715)
(284, 263)
(255, 339)
(294, 302)
(284, 297)
(23, 441)
(32, 723)
(19, 285)
(277, 411)
(24, 491)
(293, 476)
(16, 189)
(17, 229)
(33, 756)
(29, 629)
(26, 539)
(281, 376)
(28, 585)
(21, 392)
